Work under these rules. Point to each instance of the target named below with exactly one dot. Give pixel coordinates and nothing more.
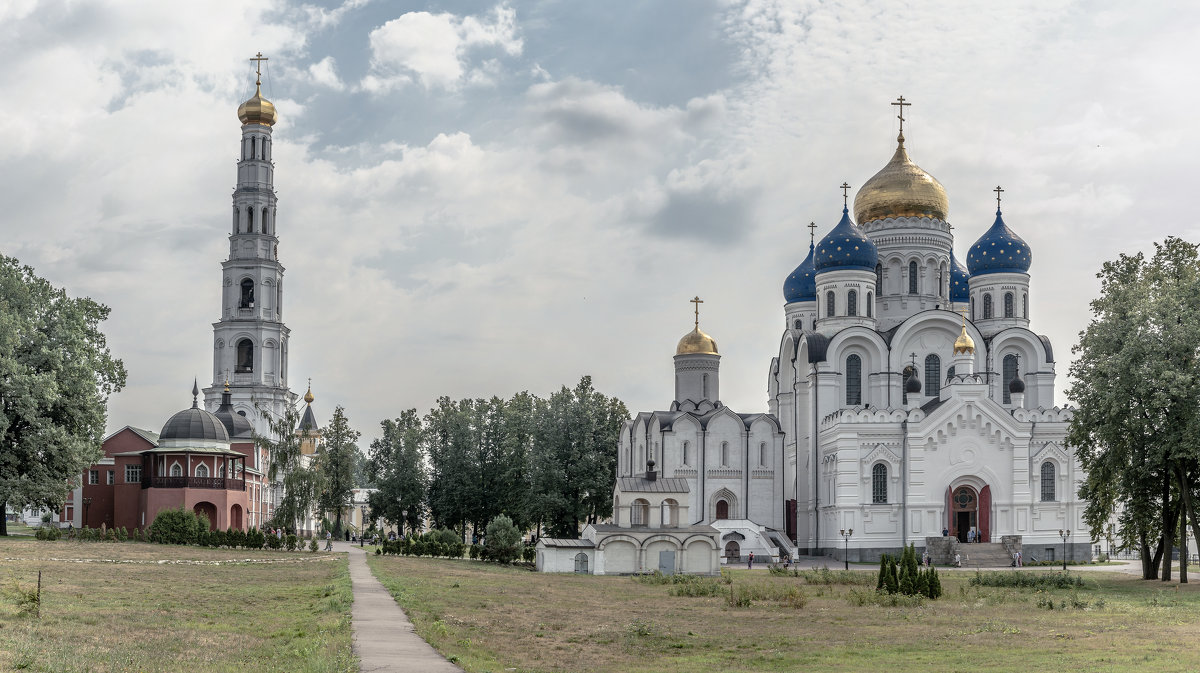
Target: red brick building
(202, 461)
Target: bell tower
(250, 341)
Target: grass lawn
(496, 619)
(164, 608)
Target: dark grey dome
(196, 424)
(1016, 386)
(235, 424)
(913, 385)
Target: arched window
(265, 229)
(912, 277)
(762, 454)
(1009, 309)
(870, 305)
(725, 454)
(253, 147)
(247, 300)
(853, 381)
(987, 306)
(722, 509)
(799, 324)
(933, 373)
(879, 486)
(704, 386)
(250, 220)
(669, 513)
(852, 303)
(639, 513)
(974, 316)
(202, 470)
(830, 304)
(245, 357)
(686, 457)
(1008, 373)
(1047, 481)
(1025, 306)
(176, 470)
(878, 279)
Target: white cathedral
(910, 403)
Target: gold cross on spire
(901, 104)
(258, 66)
(845, 194)
(998, 191)
(812, 232)
(697, 301)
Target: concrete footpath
(384, 639)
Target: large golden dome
(900, 189)
(257, 110)
(695, 342)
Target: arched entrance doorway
(209, 510)
(969, 509)
(235, 517)
(733, 552)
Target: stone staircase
(974, 555)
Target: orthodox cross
(901, 104)
(845, 194)
(998, 191)
(697, 301)
(258, 66)
(914, 362)
(812, 232)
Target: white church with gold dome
(909, 403)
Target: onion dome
(1016, 385)
(257, 110)
(845, 248)
(960, 290)
(235, 424)
(999, 250)
(964, 343)
(194, 425)
(901, 189)
(801, 284)
(913, 385)
(696, 342)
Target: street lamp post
(87, 502)
(362, 528)
(846, 533)
(1064, 534)
(403, 521)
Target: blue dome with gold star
(801, 284)
(959, 277)
(999, 250)
(845, 248)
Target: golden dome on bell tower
(258, 110)
(901, 188)
(696, 342)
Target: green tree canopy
(56, 374)
(335, 463)
(285, 466)
(397, 467)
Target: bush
(273, 542)
(529, 553)
(904, 576)
(475, 550)
(447, 536)
(313, 546)
(503, 539)
(290, 542)
(1027, 580)
(177, 526)
(255, 539)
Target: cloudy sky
(479, 198)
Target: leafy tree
(56, 374)
(335, 463)
(503, 540)
(1137, 386)
(285, 466)
(362, 469)
(397, 467)
(574, 457)
(451, 474)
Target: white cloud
(435, 49)
(324, 73)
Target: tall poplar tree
(1137, 384)
(397, 466)
(56, 374)
(335, 463)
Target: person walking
(957, 560)
(750, 564)
(328, 541)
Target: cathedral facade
(909, 403)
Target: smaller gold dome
(696, 342)
(308, 397)
(257, 110)
(900, 189)
(964, 343)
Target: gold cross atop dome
(901, 104)
(259, 58)
(258, 110)
(696, 342)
